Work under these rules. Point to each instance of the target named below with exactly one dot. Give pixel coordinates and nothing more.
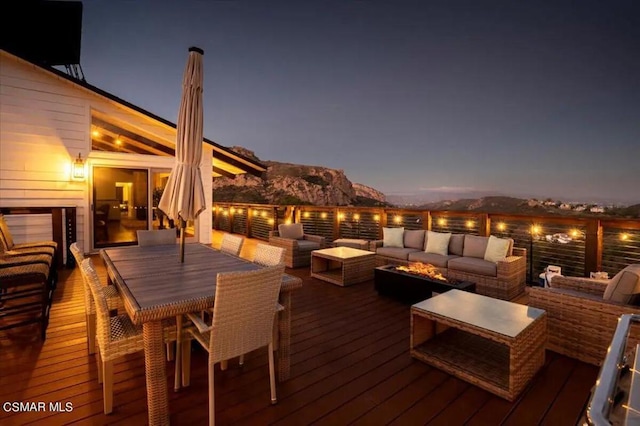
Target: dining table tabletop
(155, 285)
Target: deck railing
(579, 245)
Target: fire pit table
(410, 287)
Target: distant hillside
(286, 183)
(485, 204)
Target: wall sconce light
(323, 215)
(239, 211)
(263, 214)
(306, 215)
(356, 216)
(397, 219)
(469, 224)
(624, 236)
(502, 226)
(442, 222)
(271, 221)
(535, 229)
(340, 216)
(376, 217)
(77, 169)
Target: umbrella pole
(183, 225)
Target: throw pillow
(438, 243)
(292, 231)
(474, 246)
(414, 239)
(624, 286)
(393, 237)
(497, 249)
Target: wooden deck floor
(350, 365)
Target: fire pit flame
(425, 269)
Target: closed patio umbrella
(183, 197)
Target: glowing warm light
(239, 211)
(624, 236)
(288, 221)
(502, 226)
(535, 229)
(263, 214)
(376, 217)
(118, 141)
(340, 216)
(397, 219)
(356, 216)
(323, 215)
(77, 169)
(442, 221)
(420, 268)
(575, 233)
(225, 213)
(255, 213)
(306, 215)
(232, 210)
(95, 133)
(214, 208)
(469, 224)
(271, 221)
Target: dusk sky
(517, 98)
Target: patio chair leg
(212, 409)
(107, 387)
(272, 375)
(91, 333)
(99, 364)
(170, 351)
(178, 354)
(241, 360)
(186, 362)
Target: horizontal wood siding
(45, 121)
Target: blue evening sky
(522, 98)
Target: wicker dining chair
(156, 237)
(231, 244)
(267, 255)
(117, 336)
(244, 312)
(114, 301)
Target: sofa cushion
(414, 239)
(293, 231)
(474, 266)
(475, 246)
(434, 259)
(624, 286)
(497, 249)
(393, 237)
(395, 252)
(438, 243)
(456, 244)
(306, 245)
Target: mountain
(286, 183)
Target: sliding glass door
(120, 205)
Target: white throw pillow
(393, 237)
(438, 242)
(497, 249)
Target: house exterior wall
(45, 121)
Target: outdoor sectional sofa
(464, 260)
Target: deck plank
(350, 365)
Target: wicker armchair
(580, 323)
(267, 255)
(245, 309)
(231, 244)
(297, 245)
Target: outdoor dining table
(155, 285)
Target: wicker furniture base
(496, 345)
(342, 266)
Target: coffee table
(412, 288)
(342, 265)
(491, 343)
